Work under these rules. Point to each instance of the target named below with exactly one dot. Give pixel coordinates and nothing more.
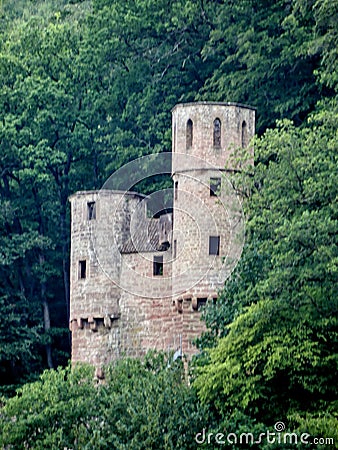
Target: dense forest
(87, 86)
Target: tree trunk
(46, 319)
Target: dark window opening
(91, 210)
(158, 266)
(201, 302)
(176, 189)
(82, 269)
(96, 323)
(84, 323)
(244, 135)
(214, 245)
(175, 249)
(217, 133)
(189, 135)
(215, 186)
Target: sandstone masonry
(141, 287)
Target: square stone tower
(139, 282)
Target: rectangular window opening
(91, 211)
(158, 266)
(176, 189)
(82, 269)
(215, 187)
(201, 302)
(214, 242)
(175, 249)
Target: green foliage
(38, 137)
(326, 41)
(277, 358)
(19, 339)
(267, 53)
(143, 49)
(140, 405)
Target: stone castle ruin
(139, 280)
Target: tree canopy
(140, 405)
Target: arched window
(217, 133)
(189, 133)
(244, 135)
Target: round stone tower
(207, 222)
(100, 224)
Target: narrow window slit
(91, 211)
(244, 135)
(189, 135)
(217, 133)
(82, 269)
(158, 266)
(176, 190)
